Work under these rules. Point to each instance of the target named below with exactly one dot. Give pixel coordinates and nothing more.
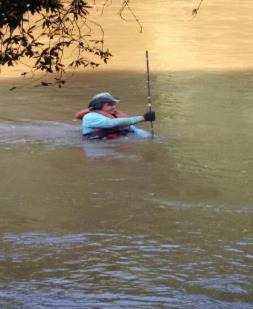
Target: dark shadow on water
(59, 134)
(34, 132)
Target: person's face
(109, 107)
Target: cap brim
(116, 99)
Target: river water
(162, 223)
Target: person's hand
(149, 116)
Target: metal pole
(149, 93)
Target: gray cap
(99, 99)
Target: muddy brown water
(130, 223)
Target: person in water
(102, 120)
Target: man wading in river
(101, 120)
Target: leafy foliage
(42, 30)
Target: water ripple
(117, 270)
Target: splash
(40, 132)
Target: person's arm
(95, 120)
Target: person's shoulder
(91, 115)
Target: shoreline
(71, 75)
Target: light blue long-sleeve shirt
(93, 120)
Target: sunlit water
(162, 223)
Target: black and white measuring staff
(149, 94)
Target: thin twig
(195, 11)
(125, 5)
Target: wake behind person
(102, 120)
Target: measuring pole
(149, 94)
